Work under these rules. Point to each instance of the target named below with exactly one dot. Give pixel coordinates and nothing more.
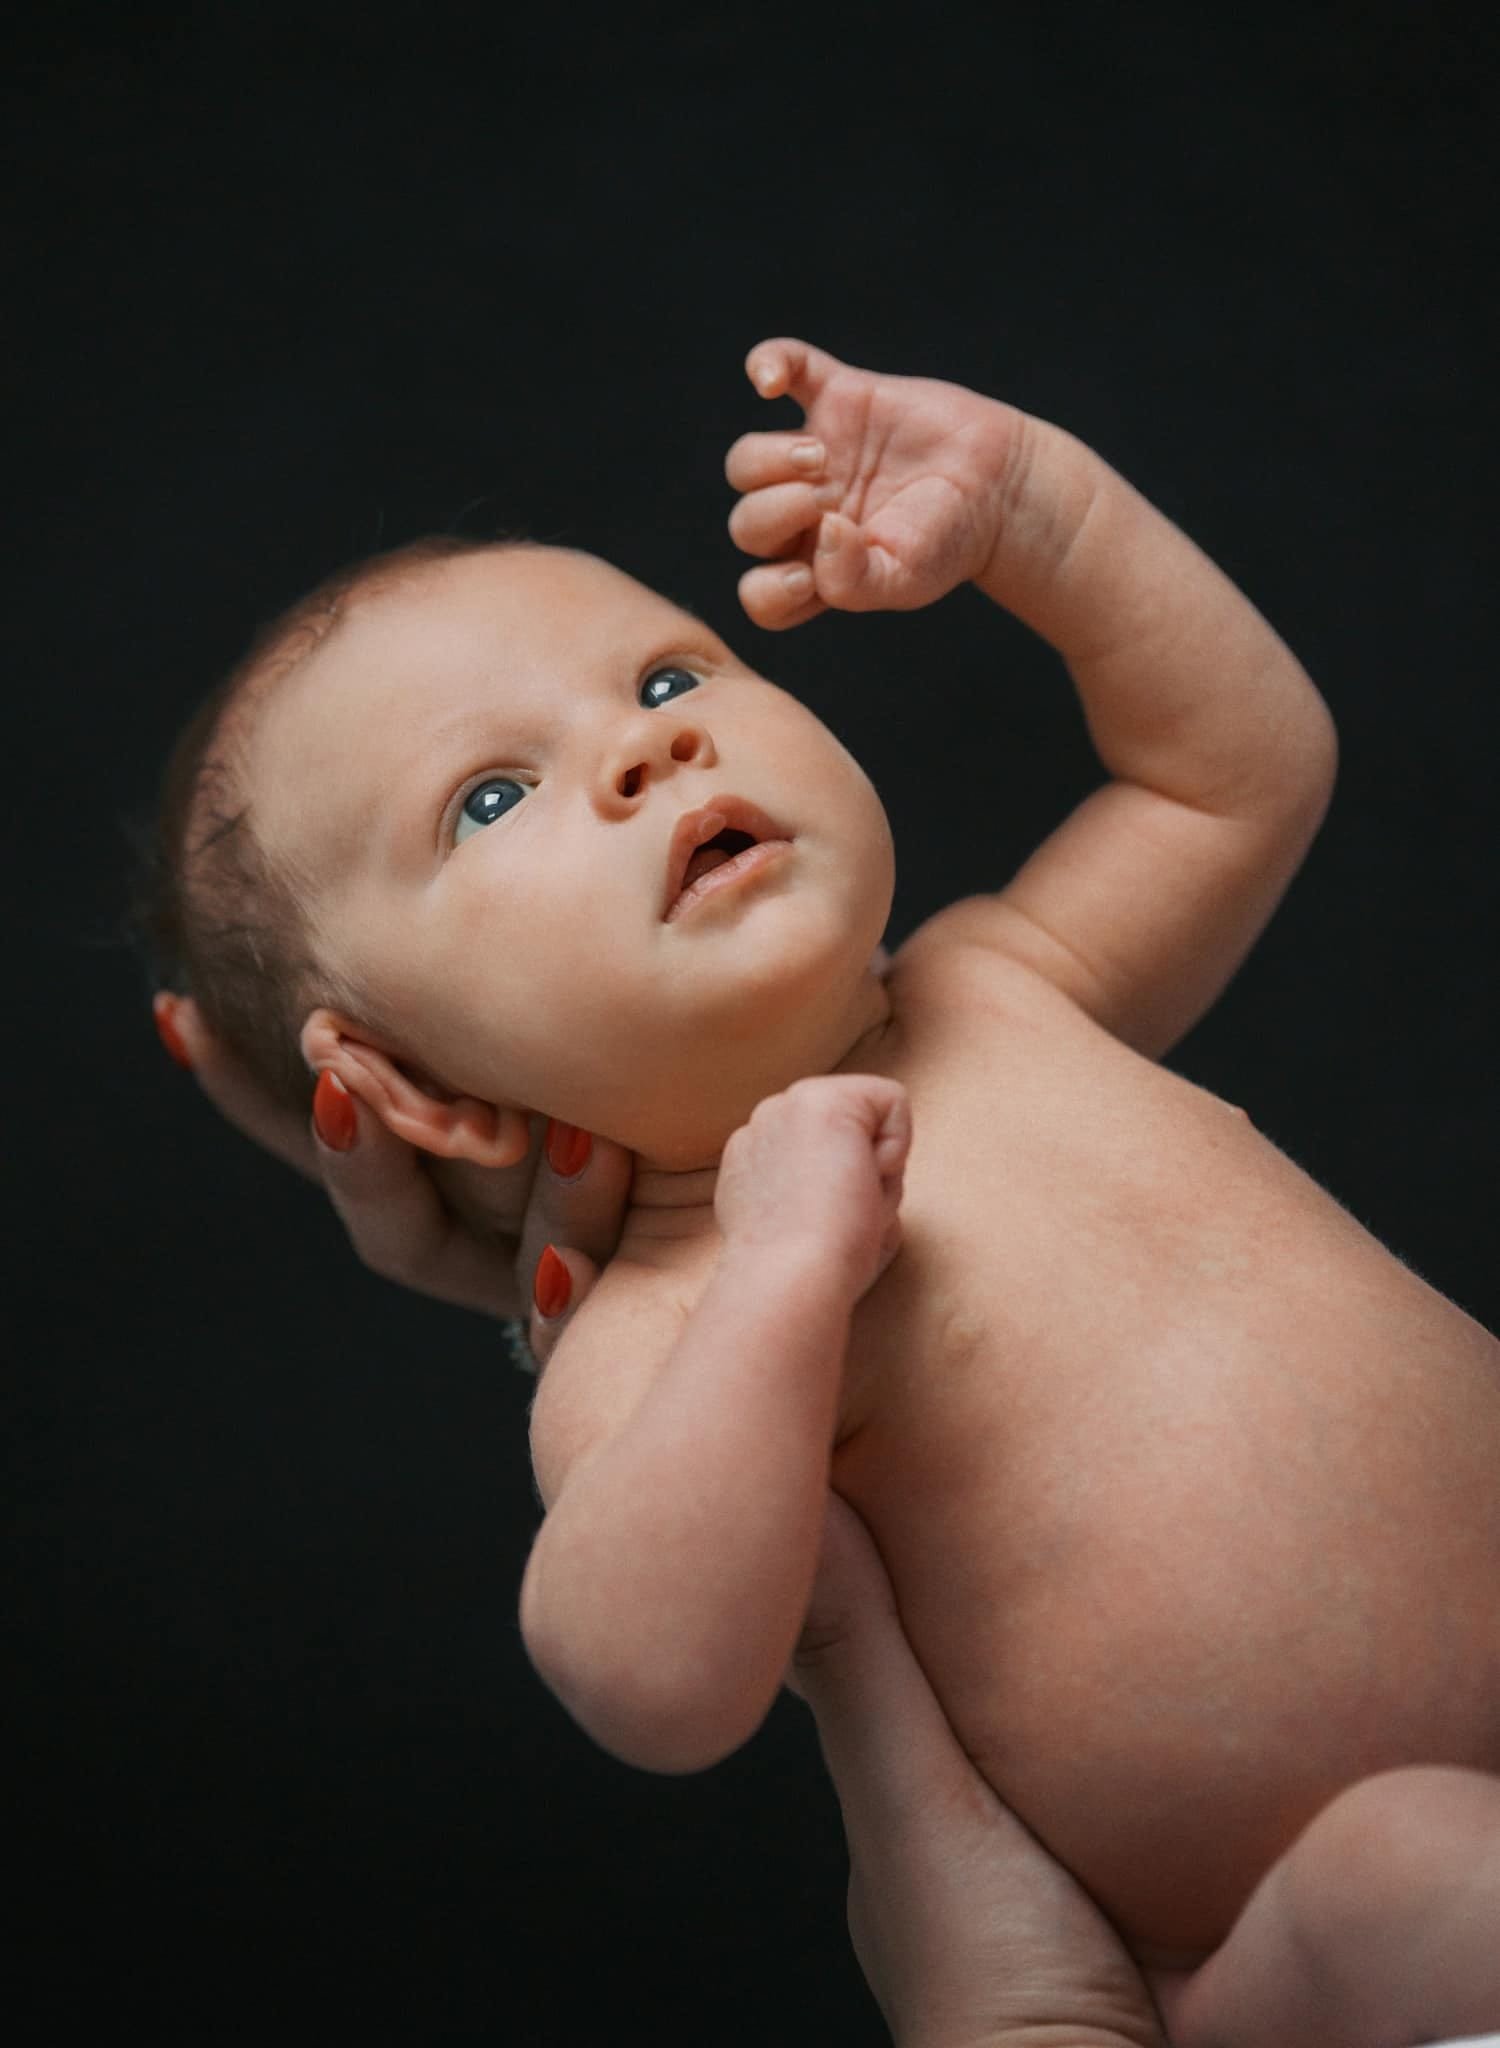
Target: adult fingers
(577, 1207)
(396, 1218)
(563, 1280)
(234, 1093)
(887, 1741)
(963, 1923)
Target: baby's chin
(680, 1120)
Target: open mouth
(719, 836)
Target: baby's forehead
(529, 590)
(523, 615)
(423, 659)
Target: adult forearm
(667, 1586)
(1186, 688)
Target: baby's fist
(820, 1169)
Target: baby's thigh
(1377, 1929)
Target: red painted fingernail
(164, 1010)
(568, 1148)
(552, 1287)
(334, 1112)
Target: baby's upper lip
(696, 828)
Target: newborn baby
(1185, 1486)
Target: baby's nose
(686, 743)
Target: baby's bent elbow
(1320, 754)
(658, 1713)
(648, 1718)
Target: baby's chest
(1022, 1202)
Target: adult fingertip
(164, 1010)
(569, 1149)
(552, 1285)
(335, 1118)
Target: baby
(1185, 1486)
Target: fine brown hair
(214, 916)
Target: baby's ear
(413, 1107)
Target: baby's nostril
(630, 782)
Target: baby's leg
(1379, 1928)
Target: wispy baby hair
(215, 917)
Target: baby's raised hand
(887, 499)
(818, 1171)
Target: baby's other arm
(664, 1595)
(1221, 752)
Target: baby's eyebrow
(425, 780)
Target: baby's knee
(1394, 1836)
(1406, 1862)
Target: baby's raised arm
(1221, 752)
(664, 1594)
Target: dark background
(298, 284)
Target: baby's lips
(696, 828)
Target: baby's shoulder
(956, 964)
(603, 1364)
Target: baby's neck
(672, 1209)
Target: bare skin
(965, 1927)
(1183, 1484)
(463, 1233)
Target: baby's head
(428, 833)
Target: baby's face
(482, 771)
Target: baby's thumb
(841, 564)
(562, 1281)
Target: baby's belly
(1178, 1587)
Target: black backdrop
(297, 284)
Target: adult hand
(474, 1236)
(969, 1933)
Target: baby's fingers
(756, 460)
(772, 520)
(851, 575)
(786, 367)
(780, 596)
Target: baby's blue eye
(484, 804)
(663, 683)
